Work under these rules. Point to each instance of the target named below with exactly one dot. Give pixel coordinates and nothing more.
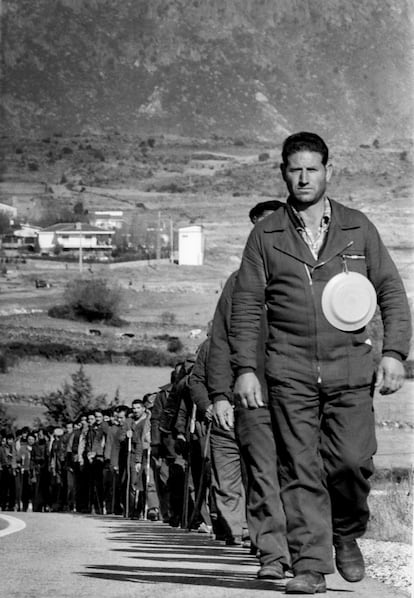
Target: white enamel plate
(349, 301)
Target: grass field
(36, 377)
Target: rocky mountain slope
(199, 68)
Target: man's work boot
(271, 571)
(306, 582)
(349, 560)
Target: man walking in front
(319, 364)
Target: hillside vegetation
(242, 67)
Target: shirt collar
(326, 216)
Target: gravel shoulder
(70, 555)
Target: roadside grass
(391, 506)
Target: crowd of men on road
(104, 463)
(267, 434)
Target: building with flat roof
(75, 236)
(107, 219)
(191, 245)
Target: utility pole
(171, 241)
(79, 228)
(158, 250)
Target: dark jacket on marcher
(279, 270)
(197, 381)
(220, 375)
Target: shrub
(64, 312)
(175, 345)
(168, 318)
(7, 360)
(150, 356)
(50, 350)
(94, 299)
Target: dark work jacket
(177, 392)
(156, 415)
(197, 381)
(220, 375)
(279, 270)
(197, 396)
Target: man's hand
(248, 390)
(390, 375)
(208, 416)
(223, 414)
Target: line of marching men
(150, 460)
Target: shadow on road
(169, 555)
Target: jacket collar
(287, 239)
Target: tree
(79, 212)
(72, 400)
(6, 422)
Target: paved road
(77, 556)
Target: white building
(191, 245)
(75, 236)
(23, 238)
(108, 219)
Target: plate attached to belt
(349, 301)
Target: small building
(21, 239)
(191, 245)
(108, 219)
(74, 237)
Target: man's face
(138, 409)
(121, 417)
(91, 420)
(98, 417)
(306, 177)
(69, 427)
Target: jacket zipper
(318, 366)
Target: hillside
(241, 68)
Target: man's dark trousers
(227, 481)
(265, 514)
(326, 441)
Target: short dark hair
(304, 141)
(138, 401)
(264, 206)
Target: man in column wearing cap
(319, 358)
